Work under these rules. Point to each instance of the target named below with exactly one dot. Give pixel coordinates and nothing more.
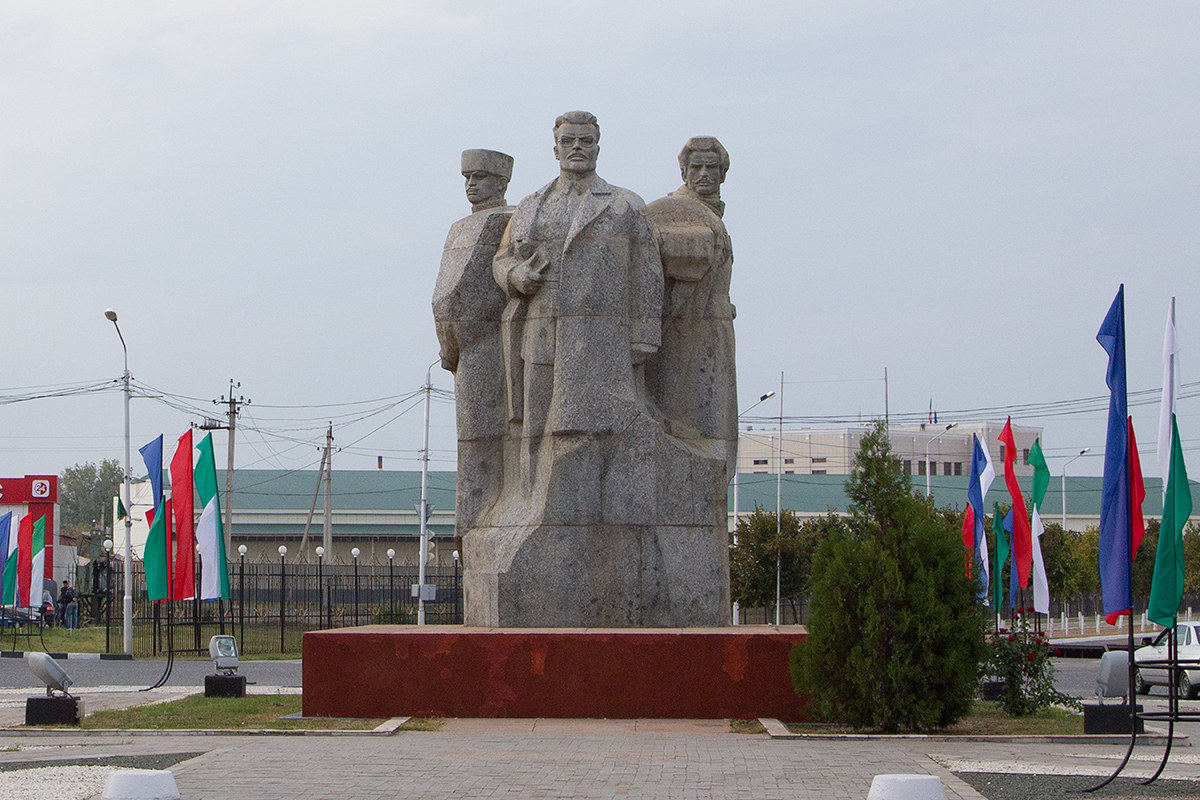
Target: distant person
(68, 606)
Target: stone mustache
(591, 340)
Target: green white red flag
(214, 569)
(1041, 481)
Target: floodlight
(49, 673)
(1112, 680)
(224, 653)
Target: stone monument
(606, 506)
(467, 305)
(692, 377)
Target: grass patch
(746, 726)
(423, 724)
(255, 712)
(60, 640)
(985, 719)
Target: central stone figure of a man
(596, 523)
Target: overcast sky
(952, 191)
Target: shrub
(895, 639)
(1021, 659)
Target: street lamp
(929, 444)
(779, 511)
(1064, 485)
(127, 622)
(737, 445)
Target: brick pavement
(474, 760)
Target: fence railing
(271, 604)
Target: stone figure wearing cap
(691, 378)
(467, 307)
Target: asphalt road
(14, 673)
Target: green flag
(1166, 587)
(120, 509)
(1041, 473)
(1001, 557)
(154, 557)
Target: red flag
(183, 576)
(1022, 539)
(25, 563)
(1137, 494)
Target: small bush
(1021, 660)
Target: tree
(752, 561)
(85, 493)
(895, 638)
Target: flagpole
(127, 621)
(779, 511)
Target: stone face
(467, 307)
(610, 504)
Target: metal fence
(271, 604)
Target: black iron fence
(271, 604)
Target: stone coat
(601, 300)
(692, 378)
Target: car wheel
(1186, 690)
(1139, 685)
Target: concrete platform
(452, 671)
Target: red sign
(30, 489)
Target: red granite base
(450, 671)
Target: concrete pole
(327, 530)
(424, 510)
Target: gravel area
(76, 778)
(997, 786)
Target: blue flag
(152, 455)
(1116, 577)
(1013, 577)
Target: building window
(945, 467)
(907, 467)
(789, 472)
(1002, 452)
(1025, 456)
(819, 459)
(789, 461)
(760, 472)
(921, 467)
(760, 462)
(818, 472)
(958, 468)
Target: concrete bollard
(141, 784)
(907, 787)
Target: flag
(982, 475)
(121, 512)
(1170, 391)
(154, 556)
(1001, 557)
(37, 561)
(1022, 545)
(214, 571)
(1166, 587)
(1041, 482)
(1137, 495)
(1013, 585)
(8, 582)
(1115, 561)
(183, 572)
(24, 555)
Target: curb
(777, 730)
(389, 728)
(72, 656)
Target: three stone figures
(591, 340)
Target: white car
(1188, 640)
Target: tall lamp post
(928, 470)
(736, 509)
(1064, 485)
(127, 621)
(779, 511)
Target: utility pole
(234, 404)
(423, 511)
(327, 532)
(312, 509)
